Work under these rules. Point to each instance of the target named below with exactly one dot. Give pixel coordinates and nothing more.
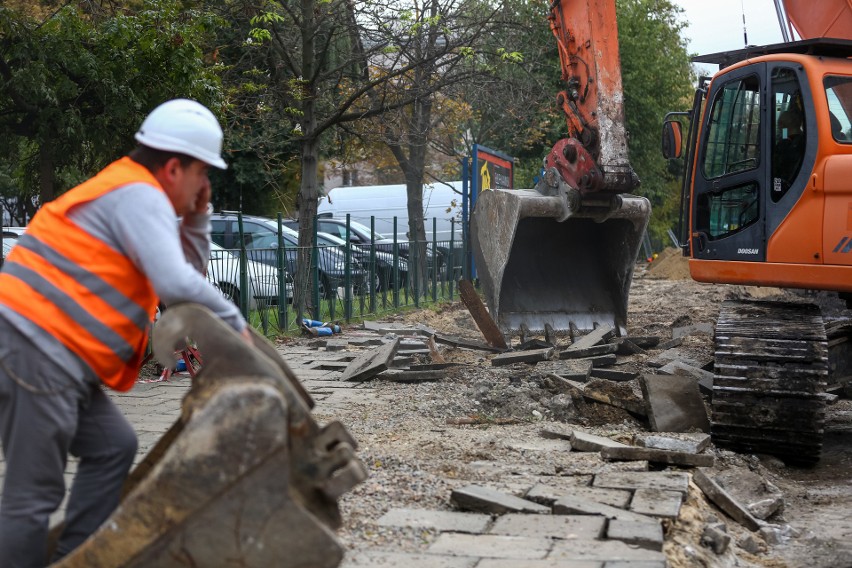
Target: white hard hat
(186, 127)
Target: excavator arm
(593, 100)
(561, 256)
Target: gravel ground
(482, 424)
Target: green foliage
(76, 87)
(657, 78)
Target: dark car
(384, 261)
(260, 235)
(359, 234)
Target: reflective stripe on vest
(89, 296)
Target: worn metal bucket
(552, 256)
(245, 477)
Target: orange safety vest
(89, 296)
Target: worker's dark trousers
(45, 414)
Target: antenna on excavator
(745, 33)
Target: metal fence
(347, 280)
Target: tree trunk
(306, 201)
(46, 176)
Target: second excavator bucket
(245, 477)
(552, 256)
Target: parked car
(9, 240)
(384, 261)
(360, 235)
(260, 235)
(223, 270)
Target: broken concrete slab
(608, 551)
(600, 360)
(585, 442)
(575, 505)
(677, 442)
(598, 394)
(444, 521)
(594, 337)
(386, 559)
(666, 480)
(704, 378)
(644, 535)
(534, 343)
(641, 341)
(549, 526)
(593, 351)
(466, 343)
(385, 328)
(336, 344)
(433, 366)
(370, 363)
(658, 456)
(543, 563)
(481, 499)
(626, 347)
(547, 494)
(674, 403)
(491, 546)
(614, 375)
(402, 362)
(657, 503)
(716, 538)
(522, 357)
(671, 343)
(573, 369)
(724, 500)
(761, 497)
(402, 376)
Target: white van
(443, 201)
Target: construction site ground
(435, 448)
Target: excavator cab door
(731, 171)
(759, 146)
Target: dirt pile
(669, 265)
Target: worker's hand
(246, 334)
(202, 200)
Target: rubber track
(771, 368)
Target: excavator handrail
(828, 47)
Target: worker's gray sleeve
(139, 221)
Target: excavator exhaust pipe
(245, 477)
(553, 256)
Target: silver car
(223, 270)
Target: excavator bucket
(245, 477)
(552, 256)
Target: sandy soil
(482, 424)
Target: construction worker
(77, 296)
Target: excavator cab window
(733, 141)
(733, 147)
(789, 135)
(838, 92)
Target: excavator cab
(766, 202)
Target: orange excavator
(767, 201)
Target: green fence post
(282, 277)
(347, 274)
(396, 267)
(244, 307)
(451, 275)
(435, 267)
(373, 264)
(315, 273)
